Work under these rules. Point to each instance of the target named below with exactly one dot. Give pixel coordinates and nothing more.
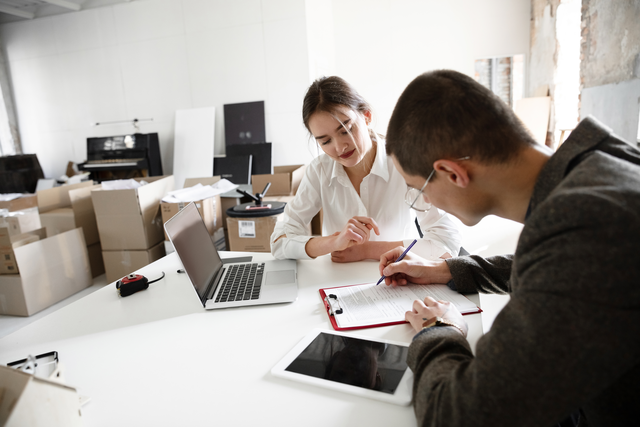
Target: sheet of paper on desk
(369, 304)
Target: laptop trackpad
(280, 277)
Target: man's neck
(514, 184)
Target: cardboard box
(20, 222)
(285, 180)
(83, 212)
(8, 243)
(316, 224)
(58, 197)
(68, 207)
(8, 264)
(50, 270)
(79, 213)
(226, 203)
(29, 400)
(210, 209)
(25, 201)
(209, 180)
(121, 263)
(58, 221)
(95, 259)
(131, 219)
(251, 234)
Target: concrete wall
(616, 105)
(543, 46)
(610, 67)
(610, 42)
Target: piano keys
(123, 156)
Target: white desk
(158, 358)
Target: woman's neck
(357, 173)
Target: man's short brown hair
(445, 114)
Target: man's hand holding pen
(412, 269)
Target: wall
(381, 45)
(610, 68)
(148, 58)
(543, 46)
(555, 62)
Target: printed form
(368, 304)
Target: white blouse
(326, 185)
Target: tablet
(367, 367)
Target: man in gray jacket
(565, 350)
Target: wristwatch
(439, 321)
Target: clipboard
(332, 305)
(334, 308)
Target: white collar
(379, 167)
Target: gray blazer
(569, 338)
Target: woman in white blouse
(356, 185)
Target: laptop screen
(195, 247)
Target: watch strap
(439, 321)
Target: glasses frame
(412, 204)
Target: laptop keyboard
(242, 282)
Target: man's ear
(453, 171)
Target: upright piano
(123, 156)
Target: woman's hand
(430, 309)
(351, 254)
(356, 232)
(412, 269)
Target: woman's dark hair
(447, 115)
(328, 93)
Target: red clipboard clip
(333, 306)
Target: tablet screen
(354, 361)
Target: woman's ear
(454, 172)
(367, 116)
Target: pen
(399, 258)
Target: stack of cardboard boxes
(130, 225)
(68, 207)
(9, 242)
(38, 269)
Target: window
(503, 75)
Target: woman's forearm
(318, 246)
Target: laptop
(224, 285)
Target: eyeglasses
(413, 196)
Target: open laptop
(223, 285)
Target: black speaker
(244, 123)
(19, 174)
(236, 169)
(261, 163)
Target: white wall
(148, 58)
(382, 45)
